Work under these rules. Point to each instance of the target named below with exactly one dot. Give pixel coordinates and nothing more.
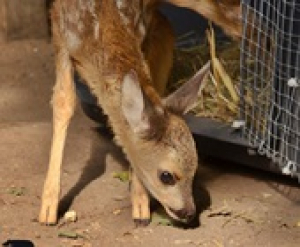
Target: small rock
(183, 242)
(266, 195)
(70, 216)
(117, 212)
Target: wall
(22, 19)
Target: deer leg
(140, 202)
(63, 104)
(158, 49)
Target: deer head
(162, 150)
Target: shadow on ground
(95, 166)
(213, 169)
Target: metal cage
(270, 70)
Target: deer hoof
(48, 214)
(141, 222)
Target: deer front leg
(63, 103)
(140, 202)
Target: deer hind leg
(158, 48)
(63, 103)
(140, 202)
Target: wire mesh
(270, 68)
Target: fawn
(103, 40)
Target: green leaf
(122, 176)
(159, 217)
(68, 234)
(17, 191)
(71, 235)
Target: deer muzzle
(185, 214)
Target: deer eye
(167, 178)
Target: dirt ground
(237, 206)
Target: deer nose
(185, 214)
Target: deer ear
(133, 103)
(185, 97)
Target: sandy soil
(237, 206)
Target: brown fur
(225, 13)
(102, 40)
(161, 41)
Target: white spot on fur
(96, 30)
(142, 30)
(120, 4)
(124, 19)
(73, 40)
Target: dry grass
(219, 98)
(221, 95)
